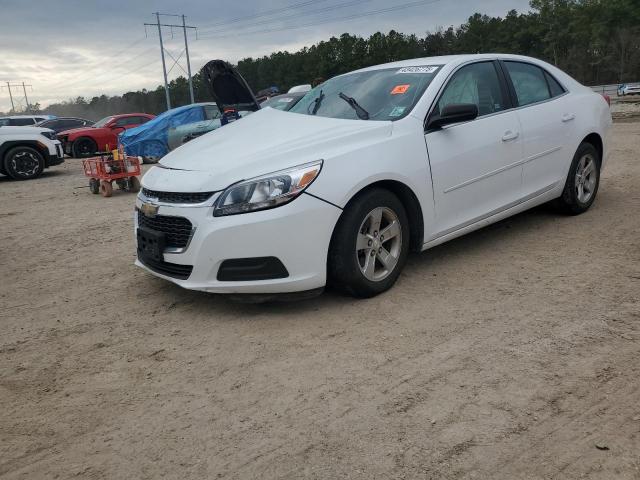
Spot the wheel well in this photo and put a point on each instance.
(29, 143)
(595, 140)
(411, 206)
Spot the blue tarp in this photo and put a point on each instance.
(150, 139)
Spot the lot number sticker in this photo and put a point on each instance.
(428, 69)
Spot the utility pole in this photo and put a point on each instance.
(186, 49)
(164, 65)
(13, 107)
(24, 89)
(184, 27)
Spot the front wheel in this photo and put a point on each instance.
(370, 244)
(84, 147)
(582, 183)
(23, 163)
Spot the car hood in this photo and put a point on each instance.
(75, 131)
(263, 142)
(227, 87)
(30, 130)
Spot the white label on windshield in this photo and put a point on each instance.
(429, 69)
(285, 100)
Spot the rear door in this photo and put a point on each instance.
(476, 166)
(548, 121)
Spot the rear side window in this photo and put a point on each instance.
(529, 83)
(554, 87)
(477, 83)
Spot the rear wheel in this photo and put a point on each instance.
(23, 163)
(582, 182)
(94, 185)
(370, 244)
(84, 147)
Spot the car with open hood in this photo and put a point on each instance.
(101, 136)
(229, 91)
(367, 167)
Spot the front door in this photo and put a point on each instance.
(476, 166)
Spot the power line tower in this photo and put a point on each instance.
(184, 28)
(24, 90)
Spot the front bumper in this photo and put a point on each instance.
(55, 155)
(298, 234)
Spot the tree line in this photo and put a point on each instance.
(595, 41)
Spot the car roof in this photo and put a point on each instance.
(449, 59)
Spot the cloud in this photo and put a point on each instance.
(99, 47)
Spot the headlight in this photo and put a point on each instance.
(51, 135)
(267, 191)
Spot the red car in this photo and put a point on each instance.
(101, 136)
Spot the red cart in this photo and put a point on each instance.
(105, 169)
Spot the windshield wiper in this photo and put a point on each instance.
(317, 102)
(361, 112)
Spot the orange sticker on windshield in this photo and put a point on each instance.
(400, 89)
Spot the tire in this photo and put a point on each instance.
(84, 147)
(349, 269)
(106, 189)
(94, 186)
(23, 163)
(134, 184)
(580, 188)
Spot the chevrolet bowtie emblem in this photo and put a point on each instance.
(149, 209)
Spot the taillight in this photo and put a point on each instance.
(607, 98)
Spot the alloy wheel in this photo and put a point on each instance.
(586, 178)
(25, 164)
(379, 244)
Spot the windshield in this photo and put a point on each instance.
(103, 122)
(281, 102)
(387, 94)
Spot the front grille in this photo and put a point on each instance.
(177, 197)
(177, 230)
(174, 270)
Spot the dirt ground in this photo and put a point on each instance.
(511, 353)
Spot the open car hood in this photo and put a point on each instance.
(228, 88)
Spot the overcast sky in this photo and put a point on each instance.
(66, 48)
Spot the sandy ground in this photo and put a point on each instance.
(511, 353)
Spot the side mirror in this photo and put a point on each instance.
(453, 113)
(117, 129)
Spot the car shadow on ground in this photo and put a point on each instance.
(418, 264)
(46, 174)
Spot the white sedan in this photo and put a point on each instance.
(366, 167)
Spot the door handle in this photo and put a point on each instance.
(509, 135)
(567, 117)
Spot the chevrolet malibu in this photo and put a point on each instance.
(365, 168)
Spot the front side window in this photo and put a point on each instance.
(478, 84)
(387, 94)
(529, 83)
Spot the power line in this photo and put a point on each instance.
(102, 61)
(261, 14)
(295, 15)
(24, 90)
(328, 20)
